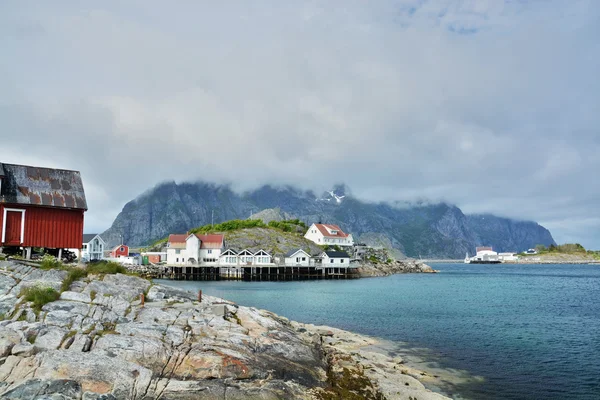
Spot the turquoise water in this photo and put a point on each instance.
(532, 332)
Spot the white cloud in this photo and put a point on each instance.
(490, 105)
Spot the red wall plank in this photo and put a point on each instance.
(50, 227)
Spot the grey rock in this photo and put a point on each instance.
(8, 339)
(49, 338)
(160, 292)
(55, 389)
(23, 350)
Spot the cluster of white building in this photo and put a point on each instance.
(210, 250)
(486, 255)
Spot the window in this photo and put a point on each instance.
(84, 247)
(178, 251)
(177, 259)
(303, 258)
(297, 259)
(122, 249)
(209, 251)
(341, 261)
(331, 261)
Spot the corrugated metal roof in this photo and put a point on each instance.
(59, 188)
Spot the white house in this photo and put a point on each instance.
(194, 249)
(326, 234)
(177, 249)
(338, 259)
(229, 257)
(92, 248)
(261, 257)
(211, 247)
(246, 257)
(298, 258)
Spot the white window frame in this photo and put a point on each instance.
(6, 210)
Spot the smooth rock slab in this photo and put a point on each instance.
(49, 338)
(45, 389)
(23, 350)
(8, 339)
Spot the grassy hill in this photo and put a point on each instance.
(563, 253)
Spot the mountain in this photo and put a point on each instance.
(421, 230)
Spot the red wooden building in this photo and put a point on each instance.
(41, 207)
(120, 250)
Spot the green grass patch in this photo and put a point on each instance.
(73, 275)
(50, 262)
(106, 267)
(39, 296)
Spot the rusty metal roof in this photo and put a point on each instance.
(59, 188)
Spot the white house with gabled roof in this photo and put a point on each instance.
(328, 234)
(92, 247)
(299, 258)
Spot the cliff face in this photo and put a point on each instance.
(429, 231)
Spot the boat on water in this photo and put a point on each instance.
(484, 255)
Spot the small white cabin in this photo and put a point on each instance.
(298, 258)
(338, 259)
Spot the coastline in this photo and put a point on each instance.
(100, 339)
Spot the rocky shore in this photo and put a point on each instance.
(394, 267)
(98, 340)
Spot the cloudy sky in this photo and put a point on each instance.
(491, 105)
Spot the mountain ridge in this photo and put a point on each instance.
(429, 230)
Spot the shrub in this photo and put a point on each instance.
(50, 262)
(73, 275)
(39, 296)
(106, 267)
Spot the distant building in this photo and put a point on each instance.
(327, 234)
(339, 259)
(298, 258)
(484, 255)
(92, 248)
(154, 257)
(41, 207)
(121, 250)
(194, 249)
(211, 247)
(176, 249)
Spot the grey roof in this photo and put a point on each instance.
(87, 237)
(292, 252)
(337, 254)
(42, 186)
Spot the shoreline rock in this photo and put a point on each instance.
(394, 267)
(99, 341)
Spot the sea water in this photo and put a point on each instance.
(529, 331)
